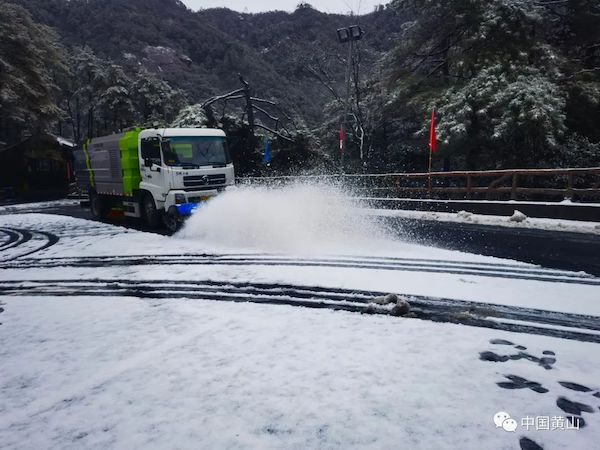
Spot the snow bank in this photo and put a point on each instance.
(516, 220)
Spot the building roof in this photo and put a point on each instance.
(63, 141)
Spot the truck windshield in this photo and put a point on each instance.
(195, 151)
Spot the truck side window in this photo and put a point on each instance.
(151, 149)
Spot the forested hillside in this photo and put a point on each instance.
(202, 53)
(515, 83)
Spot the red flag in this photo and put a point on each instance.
(341, 138)
(432, 135)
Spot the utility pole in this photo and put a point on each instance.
(347, 35)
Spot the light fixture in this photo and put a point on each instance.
(343, 35)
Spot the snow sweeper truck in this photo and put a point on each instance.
(158, 175)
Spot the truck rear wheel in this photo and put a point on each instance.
(149, 211)
(98, 206)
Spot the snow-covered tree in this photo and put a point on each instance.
(519, 111)
(155, 99)
(501, 87)
(30, 59)
(192, 116)
(87, 82)
(115, 101)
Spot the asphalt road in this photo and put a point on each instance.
(552, 249)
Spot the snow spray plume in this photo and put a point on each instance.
(301, 218)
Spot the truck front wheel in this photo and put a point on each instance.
(172, 220)
(151, 215)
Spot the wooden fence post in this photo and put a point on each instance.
(429, 185)
(469, 185)
(570, 186)
(513, 191)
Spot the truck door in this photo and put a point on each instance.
(151, 169)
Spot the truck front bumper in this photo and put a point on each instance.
(183, 199)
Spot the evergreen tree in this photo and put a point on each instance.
(115, 101)
(494, 70)
(88, 77)
(192, 116)
(154, 99)
(30, 60)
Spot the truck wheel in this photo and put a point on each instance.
(172, 221)
(151, 216)
(97, 206)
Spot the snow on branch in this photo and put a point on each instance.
(276, 133)
(227, 96)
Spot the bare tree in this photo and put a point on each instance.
(251, 106)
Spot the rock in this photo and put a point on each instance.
(401, 308)
(518, 217)
(386, 299)
(464, 215)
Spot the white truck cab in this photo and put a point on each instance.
(182, 167)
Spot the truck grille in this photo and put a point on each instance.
(203, 180)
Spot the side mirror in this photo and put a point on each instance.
(147, 162)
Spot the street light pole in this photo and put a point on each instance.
(346, 104)
(349, 35)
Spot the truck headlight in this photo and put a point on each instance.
(179, 199)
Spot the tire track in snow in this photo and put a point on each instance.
(19, 237)
(12, 237)
(516, 319)
(508, 271)
(16, 238)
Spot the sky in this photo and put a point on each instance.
(330, 6)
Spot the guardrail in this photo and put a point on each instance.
(577, 184)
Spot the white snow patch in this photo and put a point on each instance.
(122, 372)
(129, 373)
(36, 206)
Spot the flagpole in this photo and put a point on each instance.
(430, 159)
(432, 147)
(429, 172)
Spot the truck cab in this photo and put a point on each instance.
(159, 174)
(181, 168)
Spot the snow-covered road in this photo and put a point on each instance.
(115, 338)
(121, 372)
